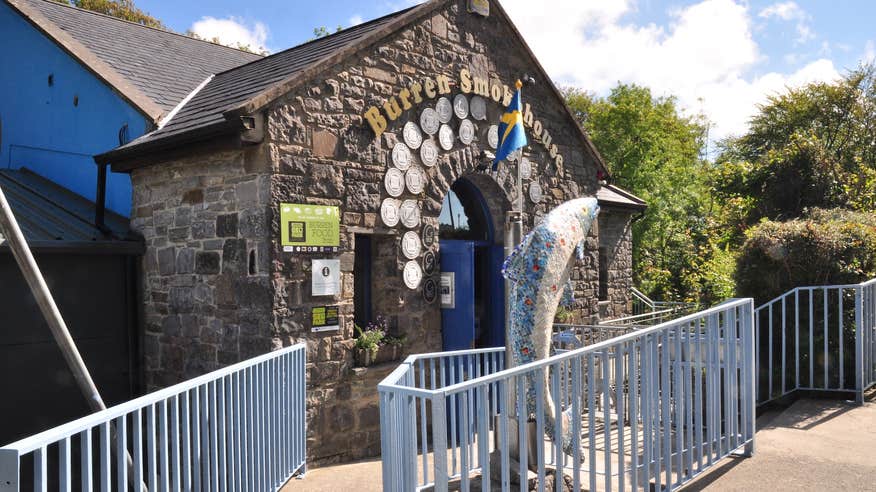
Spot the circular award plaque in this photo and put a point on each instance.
(478, 108)
(429, 121)
(394, 182)
(430, 290)
(444, 109)
(493, 136)
(428, 235)
(409, 214)
(412, 135)
(412, 274)
(415, 179)
(429, 153)
(466, 132)
(445, 137)
(525, 168)
(429, 262)
(410, 245)
(460, 106)
(389, 212)
(535, 192)
(401, 156)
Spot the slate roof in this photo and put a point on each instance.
(51, 216)
(163, 66)
(614, 196)
(233, 87)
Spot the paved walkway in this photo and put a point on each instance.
(813, 445)
(820, 445)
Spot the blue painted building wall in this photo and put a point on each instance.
(40, 126)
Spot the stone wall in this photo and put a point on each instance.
(206, 270)
(616, 237)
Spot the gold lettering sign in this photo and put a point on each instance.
(430, 88)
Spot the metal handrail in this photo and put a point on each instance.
(258, 404)
(801, 317)
(447, 403)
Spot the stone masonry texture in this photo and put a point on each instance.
(218, 287)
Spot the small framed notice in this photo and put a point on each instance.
(325, 277)
(324, 318)
(309, 228)
(448, 290)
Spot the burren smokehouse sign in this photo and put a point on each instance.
(431, 88)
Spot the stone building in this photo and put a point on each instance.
(385, 129)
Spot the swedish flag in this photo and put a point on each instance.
(511, 133)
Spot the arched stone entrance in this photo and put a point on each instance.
(472, 251)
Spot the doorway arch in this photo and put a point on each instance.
(471, 264)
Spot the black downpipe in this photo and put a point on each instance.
(100, 205)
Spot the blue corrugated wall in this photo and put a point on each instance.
(40, 126)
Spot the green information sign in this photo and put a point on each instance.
(310, 228)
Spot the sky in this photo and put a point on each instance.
(720, 58)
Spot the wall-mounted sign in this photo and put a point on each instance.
(309, 228)
(409, 213)
(444, 109)
(411, 245)
(448, 290)
(325, 277)
(466, 132)
(412, 274)
(440, 87)
(430, 290)
(478, 108)
(535, 192)
(394, 182)
(401, 156)
(480, 7)
(428, 235)
(445, 137)
(324, 318)
(429, 121)
(429, 263)
(415, 179)
(389, 212)
(429, 153)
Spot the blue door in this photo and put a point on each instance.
(458, 322)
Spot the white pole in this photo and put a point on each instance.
(9, 228)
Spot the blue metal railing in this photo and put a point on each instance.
(820, 338)
(651, 408)
(238, 428)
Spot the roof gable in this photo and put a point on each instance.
(249, 88)
(151, 68)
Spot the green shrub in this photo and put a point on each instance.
(824, 247)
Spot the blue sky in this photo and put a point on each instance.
(718, 57)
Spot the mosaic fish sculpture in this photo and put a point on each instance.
(539, 270)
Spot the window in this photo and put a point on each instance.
(463, 215)
(362, 280)
(603, 274)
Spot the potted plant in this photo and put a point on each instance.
(374, 346)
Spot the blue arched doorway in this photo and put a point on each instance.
(471, 264)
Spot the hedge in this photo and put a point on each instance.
(824, 247)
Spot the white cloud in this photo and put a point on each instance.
(869, 52)
(705, 55)
(790, 11)
(232, 31)
(356, 20)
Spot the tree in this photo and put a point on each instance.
(654, 151)
(808, 147)
(322, 31)
(122, 9)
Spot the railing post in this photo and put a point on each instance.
(859, 344)
(750, 380)
(439, 442)
(9, 469)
